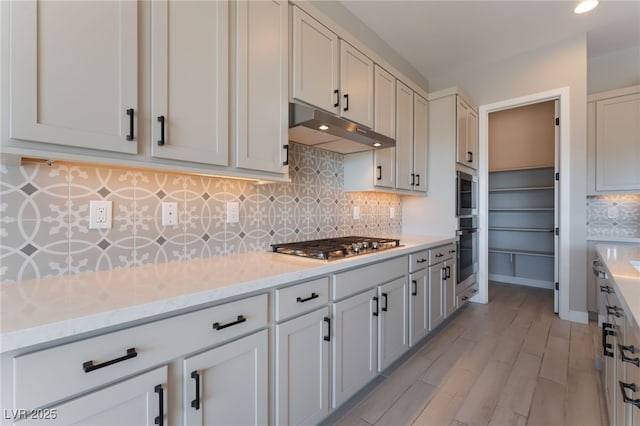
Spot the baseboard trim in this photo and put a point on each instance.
(509, 279)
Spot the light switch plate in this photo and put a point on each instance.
(356, 212)
(169, 214)
(612, 212)
(392, 212)
(100, 214)
(233, 212)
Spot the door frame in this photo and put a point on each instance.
(561, 94)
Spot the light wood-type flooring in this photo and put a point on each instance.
(511, 362)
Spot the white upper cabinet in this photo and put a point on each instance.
(189, 81)
(356, 85)
(467, 135)
(73, 73)
(617, 143)
(315, 63)
(404, 137)
(385, 123)
(420, 140)
(262, 95)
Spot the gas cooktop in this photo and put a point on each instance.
(336, 248)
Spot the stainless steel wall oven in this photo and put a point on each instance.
(467, 261)
(466, 194)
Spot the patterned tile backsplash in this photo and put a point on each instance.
(44, 214)
(625, 208)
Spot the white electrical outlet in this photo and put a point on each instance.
(169, 214)
(356, 212)
(392, 212)
(233, 212)
(612, 212)
(100, 214)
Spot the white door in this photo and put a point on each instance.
(315, 63)
(472, 138)
(462, 153)
(385, 102)
(302, 369)
(556, 213)
(420, 132)
(449, 288)
(262, 91)
(404, 137)
(393, 327)
(354, 344)
(189, 81)
(141, 400)
(436, 310)
(385, 163)
(418, 306)
(356, 84)
(228, 385)
(74, 74)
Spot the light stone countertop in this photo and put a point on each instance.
(617, 260)
(42, 311)
(609, 239)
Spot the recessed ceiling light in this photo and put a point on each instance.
(585, 6)
(323, 127)
(377, 144)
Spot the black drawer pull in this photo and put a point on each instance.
(439, 255)
(196, 402)
(327, 338)
(414, 292)
(421, 260)
(130, 114)
(386, 302)
(286, 161)
(452, 251)
(448, 272)
(614, 310)
(161, 121)
(469, 157)
(635, 361)
(623, 388)
(89, 366)
(218, 326)
(606, 289)
(606, 331)
(377, 311)
(159, 420)
(313, 296)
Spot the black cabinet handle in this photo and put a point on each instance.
(452, 251)
(196, 402)
(606, 331)
(414, 292)
(218, 326)
(417, 179)
(443, 274)
(439, 254)
(606, 289)
(327, 338)
(346, 102)
(625, 358)
(421, 260)
(469, 157)
(286, 160)
(337, 93)
(130, 114)
(413, 180)
(386, 302)
(623, 389)
(379, 177)
(161, 121)
(89, 366)
(448, 268)
(613, 310)
(313, 296)
(376, 312)
(159, 420)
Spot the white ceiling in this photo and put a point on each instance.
(436, 37)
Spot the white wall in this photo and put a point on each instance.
(561, 65)
(613, 70)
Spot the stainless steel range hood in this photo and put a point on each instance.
(310, 126)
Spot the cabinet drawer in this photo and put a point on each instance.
(463, 298)
(418, 260)
(100, 360)
(301, 298)
(357, 280)
(438, 254)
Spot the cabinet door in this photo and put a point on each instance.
(418, 306)
(315, 63)
(356, 84)
(462, 153)
(73, 68)
(449, 288)
(404, 137)
(385, 102)
(140, 400)
(228, 385)
(617, 143)
(436, 309)
(262, 94)
(189, 81)
(393, 327)
(354, 344)
(420, 130)
(302, 369)
(385, 163)
(472, 138)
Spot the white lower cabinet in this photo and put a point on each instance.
(141, 400)
(302, 369)
(354, 344)
(418, 306)
(436, 310)
(228, 385)
(393, 324)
